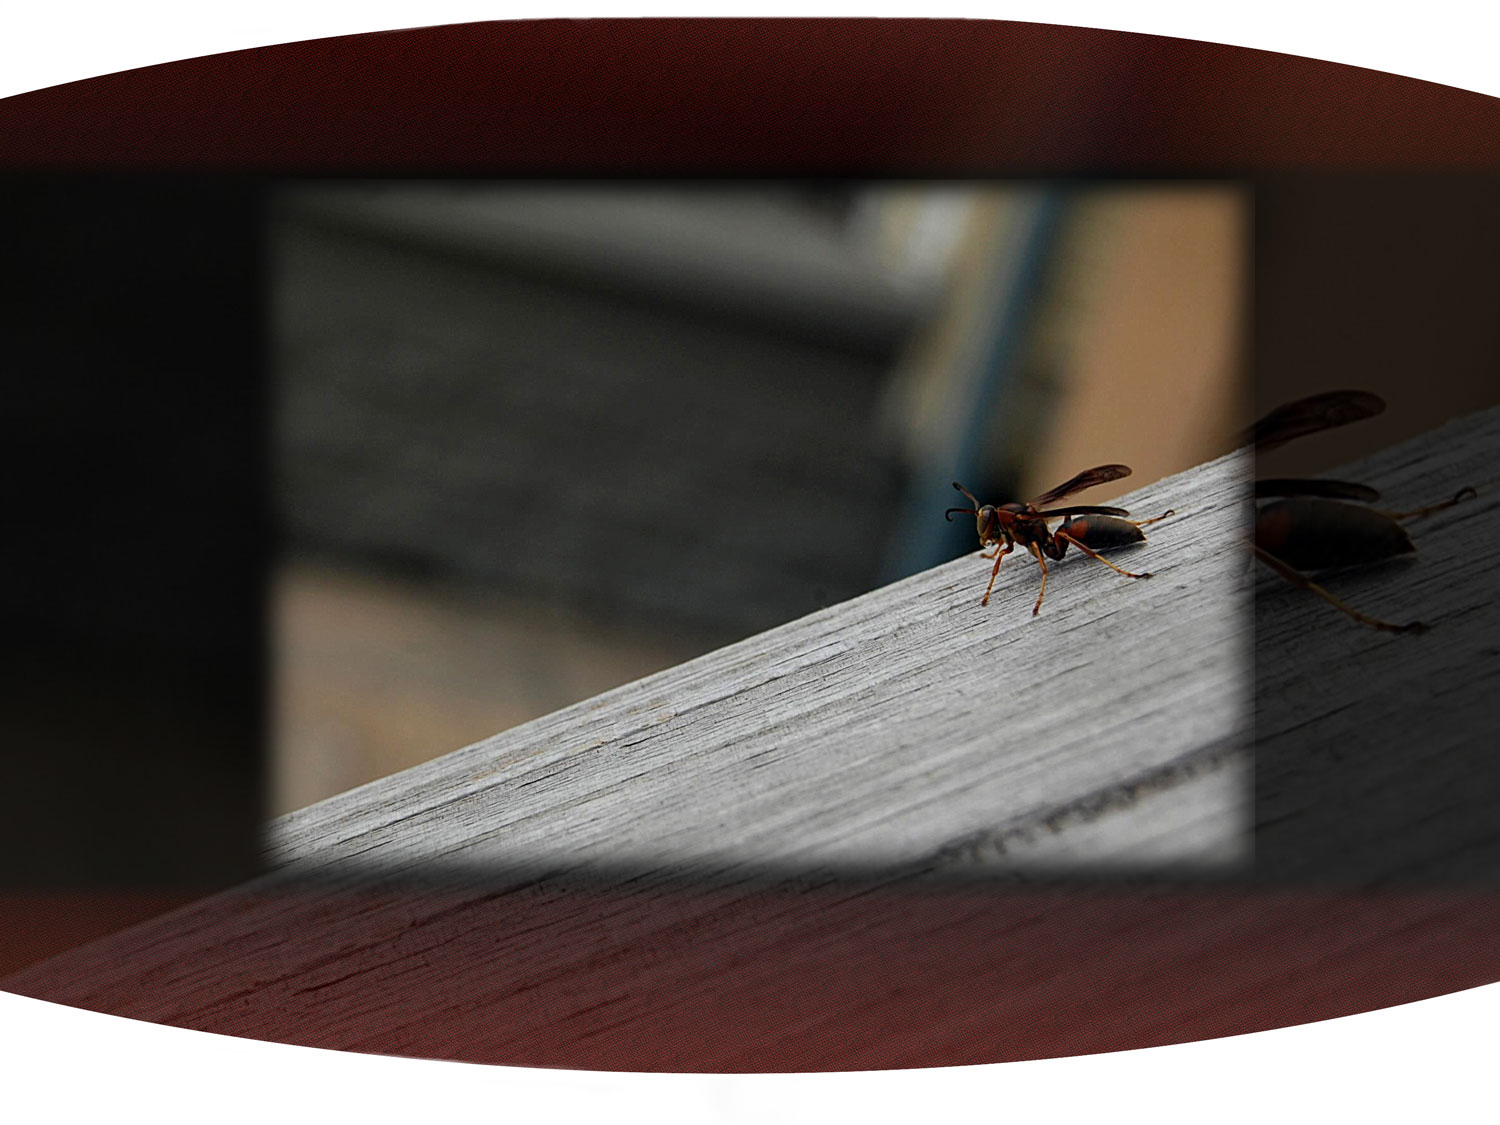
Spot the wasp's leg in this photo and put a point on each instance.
(1041, 562)
(1459, 497)
(999, 556)
(1095, 554)
(1154, 519)
(1303, 582)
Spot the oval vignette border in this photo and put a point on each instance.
(690, 980)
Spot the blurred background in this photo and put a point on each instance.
(533, 441)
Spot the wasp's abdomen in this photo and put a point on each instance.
(1102, 533)
(1312, 534)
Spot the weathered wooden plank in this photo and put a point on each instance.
(881, 732)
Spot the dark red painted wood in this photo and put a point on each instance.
(751, 96)
(773, 980)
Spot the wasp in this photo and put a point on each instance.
(1315, 525)
(1088, 527)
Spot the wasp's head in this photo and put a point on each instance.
(989, 521)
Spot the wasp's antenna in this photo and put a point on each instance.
(974, 511)
(969, 495)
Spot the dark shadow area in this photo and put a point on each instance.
(1375, 750)
(133, 483)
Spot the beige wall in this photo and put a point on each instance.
(1149, 371)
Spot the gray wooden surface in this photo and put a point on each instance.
(910, 726)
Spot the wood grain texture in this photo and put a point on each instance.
(884, 732)
(748, 968)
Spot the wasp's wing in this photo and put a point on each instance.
(1311, 415)
(1335, 489)
(1083, 510)
(1086, 479)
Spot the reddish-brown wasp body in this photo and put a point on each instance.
(1312, 525)
(1090, 528)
